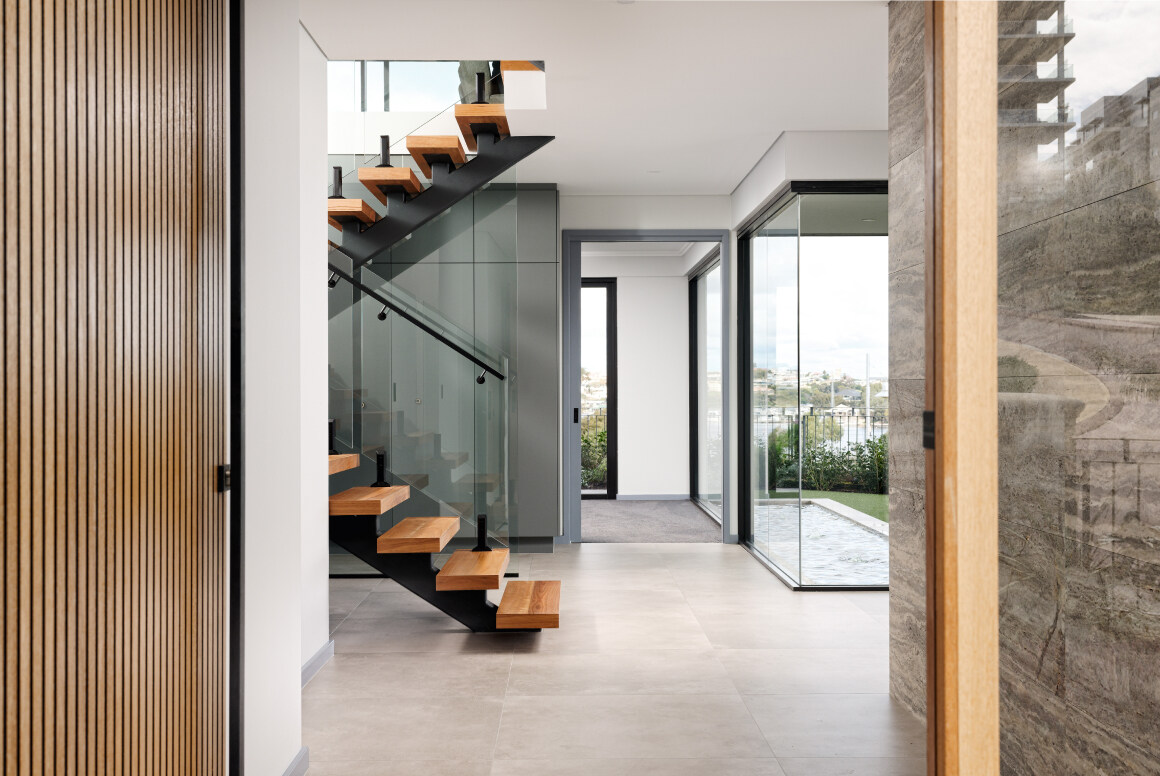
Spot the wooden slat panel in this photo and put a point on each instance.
(962, 384)
(112, 327)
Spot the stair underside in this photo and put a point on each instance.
(368, 500)
(467, 570)
(529, 604)
(342, 463)
(419, 534)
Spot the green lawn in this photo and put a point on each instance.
(874, 504)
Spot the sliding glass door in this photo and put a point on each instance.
(708, 430)
(818, 388)
(598, 388)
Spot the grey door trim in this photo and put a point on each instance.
(571, 240)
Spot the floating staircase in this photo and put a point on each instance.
(424, 479)
(406, 551)
(444, 161)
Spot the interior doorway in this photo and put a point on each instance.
(631, 404)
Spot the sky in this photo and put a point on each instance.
(1116, 45)
(844, 305)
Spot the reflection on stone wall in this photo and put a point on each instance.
(1079, 306)
(1079, 413)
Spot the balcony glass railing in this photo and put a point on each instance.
(1041, 71)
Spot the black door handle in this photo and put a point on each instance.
(575, 414)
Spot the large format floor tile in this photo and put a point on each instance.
(834, 725)
(596, 726)
(671, 660)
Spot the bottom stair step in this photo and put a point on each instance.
(529, 604)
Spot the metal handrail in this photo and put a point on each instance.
(412, 319)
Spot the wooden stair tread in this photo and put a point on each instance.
(456, 458)
(467, 570)
(422, 146)
(489, 481)
(419, 534)
(379, 180)
(342, 463)
(529, 604)
(338, 210)
(416, 480)
(466, 115)
(365, 500)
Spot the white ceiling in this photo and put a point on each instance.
(696, 90)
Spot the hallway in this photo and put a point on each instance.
(674, 659)
(611, 520)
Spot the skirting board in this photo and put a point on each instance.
(654, 497)
(300, 764)
(315, 664)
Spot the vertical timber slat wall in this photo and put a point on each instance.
(113, 593)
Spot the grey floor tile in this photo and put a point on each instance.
(854, 766)
(804, 671)
(402, 768)
(875, 604)
(370, 729)
(638, 767)
(837, 725)
(617, 726)
(824, 630)
(393, 602)
(435, 633)
(672, 672)
(613, 633)
(411, 675)
(343, 602)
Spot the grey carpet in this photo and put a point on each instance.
(606, 520)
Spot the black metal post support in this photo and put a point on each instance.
(337, 186)
(481, 534)
(331, 433)
(480, 89)
(357, 535)
(381, 470)
(384, 151)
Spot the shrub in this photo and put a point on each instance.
(593, 458)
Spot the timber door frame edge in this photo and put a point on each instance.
(961, 209)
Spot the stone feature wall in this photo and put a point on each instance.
(1079, 420)
(907, 358)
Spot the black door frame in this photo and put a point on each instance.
(609, 286)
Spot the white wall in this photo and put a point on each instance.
(643, 212)
(312, 326)
(809, 156)
(652, 349)
(274, 396)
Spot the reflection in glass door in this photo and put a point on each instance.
(707, 428)
(598, 388)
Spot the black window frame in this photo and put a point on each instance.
(612, 480)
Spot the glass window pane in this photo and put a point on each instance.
(773, 386)
(710, 431)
